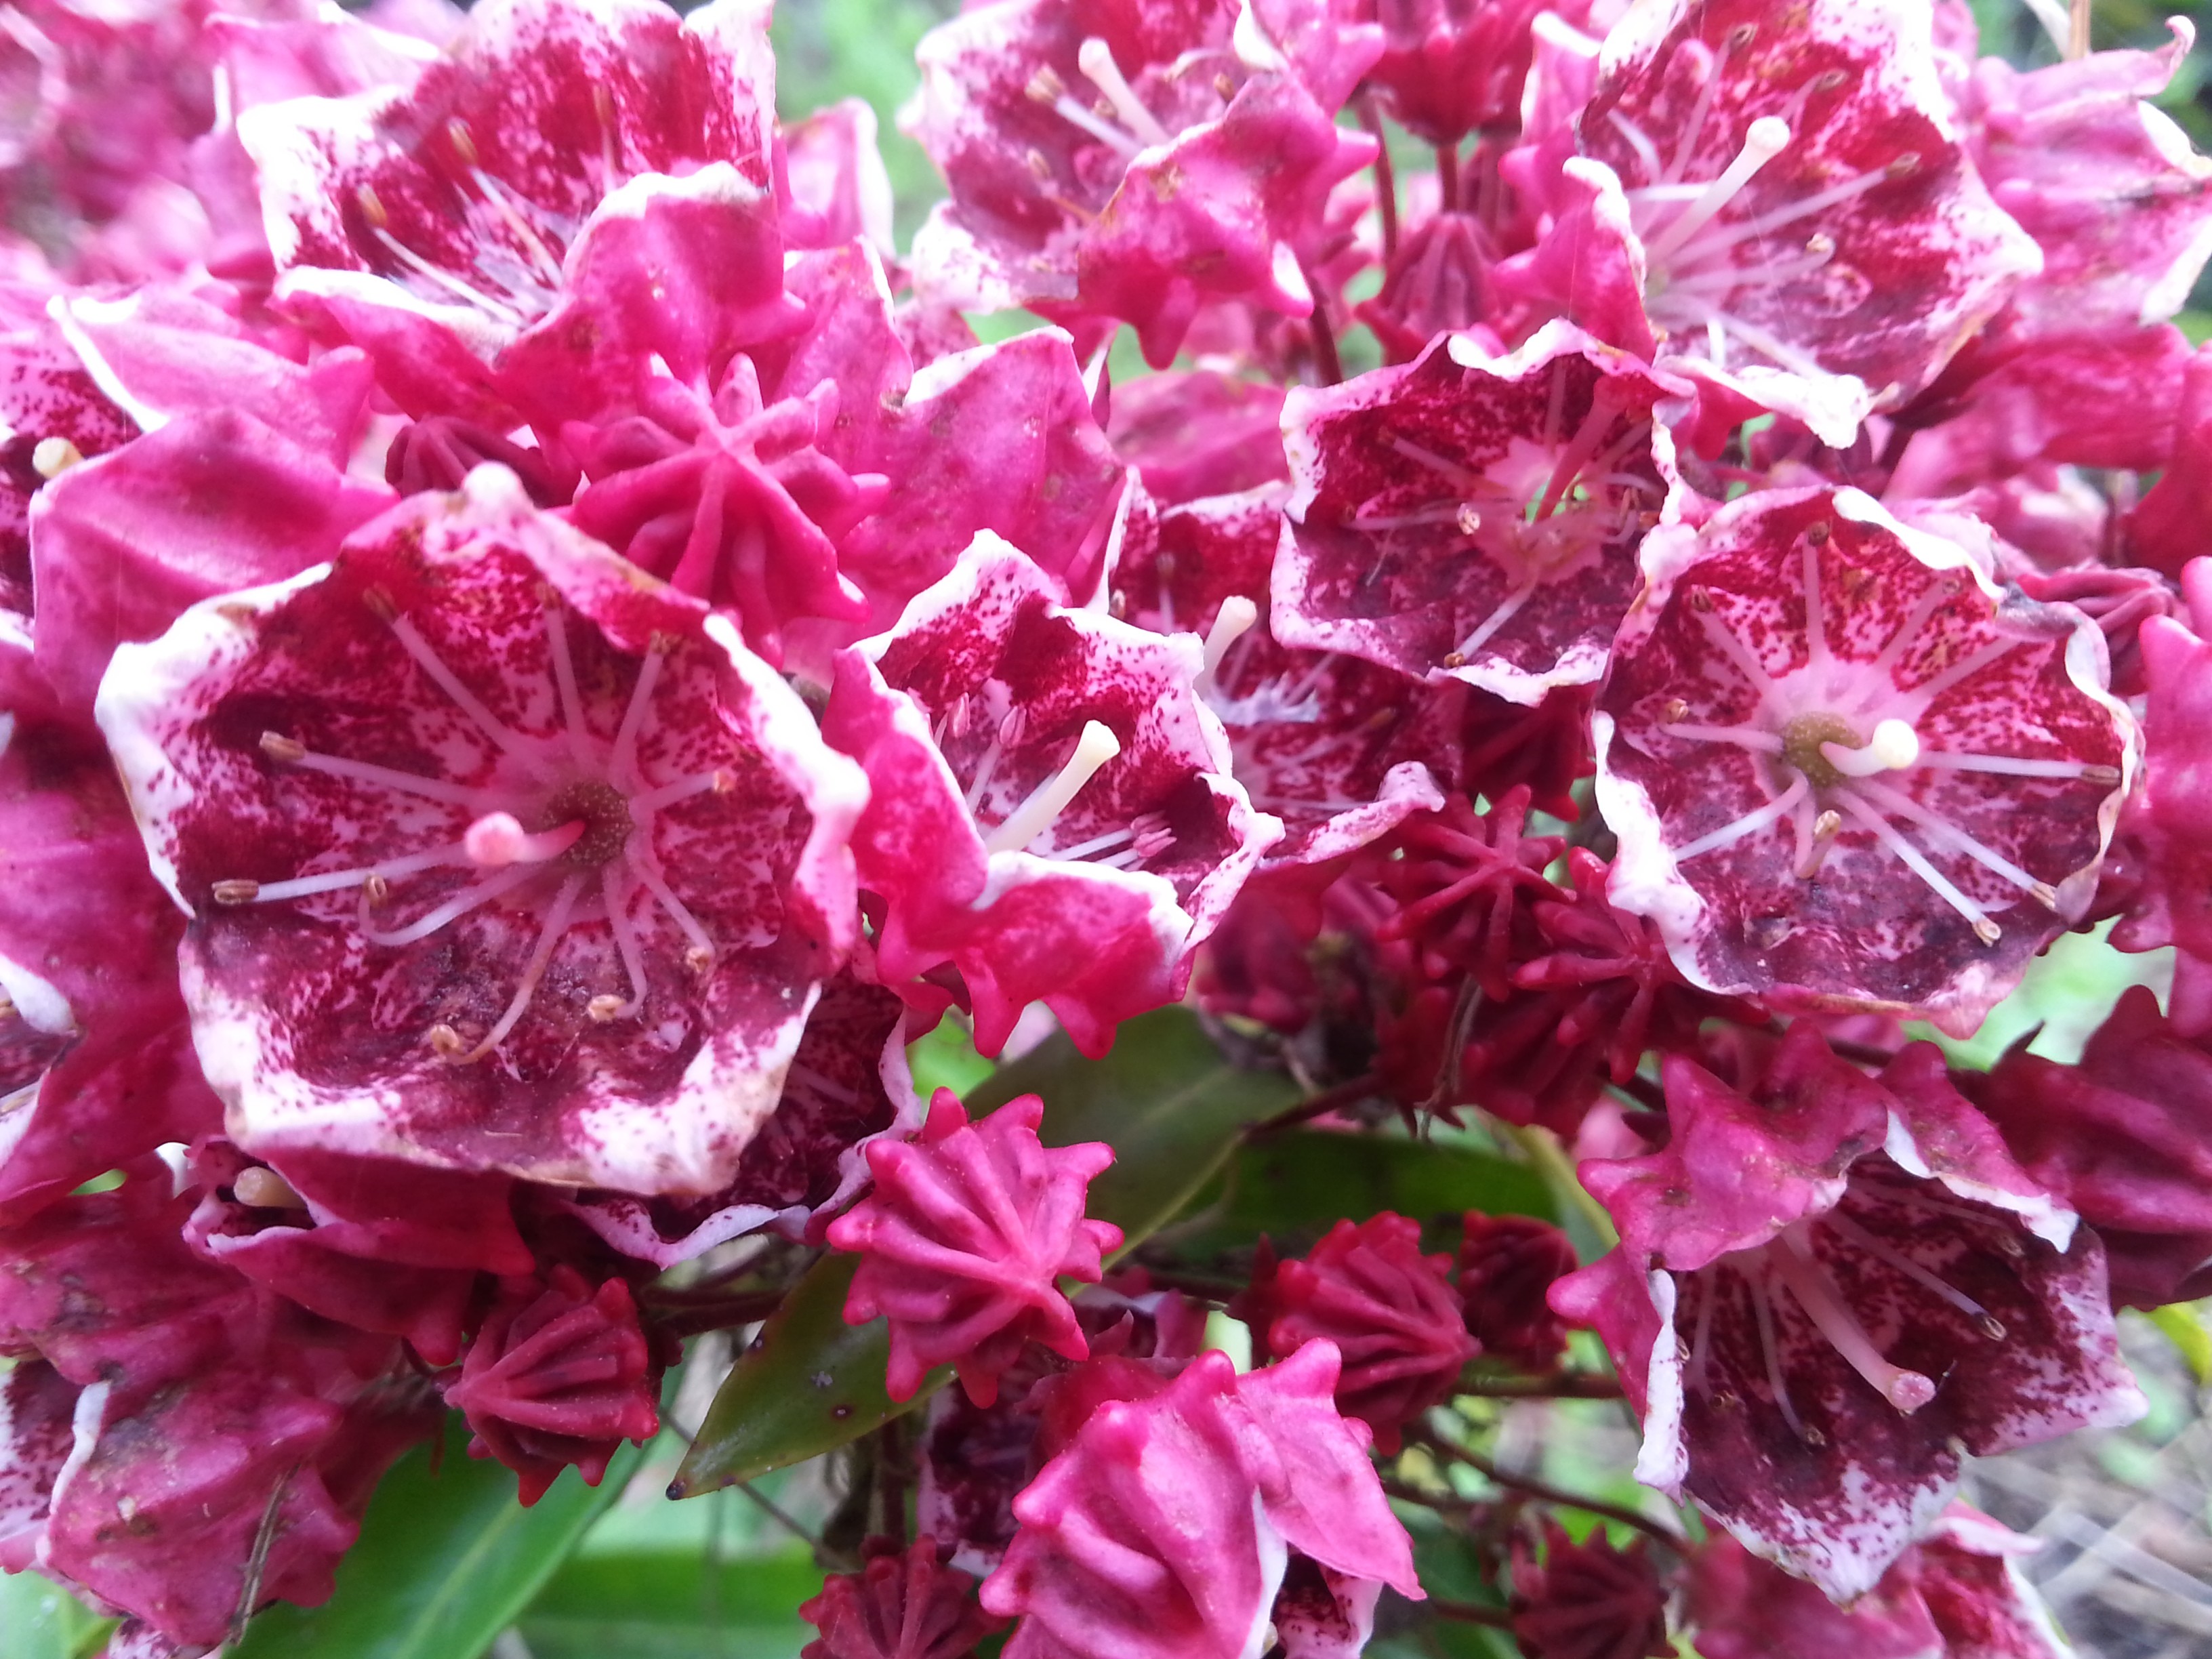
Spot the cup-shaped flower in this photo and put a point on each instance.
(964, 1238)
(1844, 768)
(500, 855)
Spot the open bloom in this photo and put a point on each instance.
(500, 855)
(1826, 1287)
(1844, 768)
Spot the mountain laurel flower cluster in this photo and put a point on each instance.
(614, 786)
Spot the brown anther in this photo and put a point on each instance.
(375, 887)
(1904, 166)
(1037, 164)
(1767, 933)
(1828, 81)
(1992, 1326)
(2101, 775)
(1225, 86)
(1987, 931)
(457, 132)
(380, 604)
(604, 1007)
(1675, 712)
(1118, 606)
(603, 106)
(1046, 87)
(1811, 1436)
(1819, 244)
(1468, 518)
(725, 782)
(1818, 532)
(2044, 894)
(1454, 659)
(698, 958)
(278, 747)
(662, 644)
(235, 892)
(1104, 109)
(549, 596)
(1700, 600)
(1739, 37)
(371, 209)
(1381, 718)
(447, 1043)
(1826, 827)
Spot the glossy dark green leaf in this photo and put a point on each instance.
(672, 1604)
(1294, 1187)
(1166, 1100)
(809, 1385)
(446, 1561)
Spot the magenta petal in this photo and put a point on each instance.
(439, 989)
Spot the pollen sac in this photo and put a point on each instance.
(1846, 769)
(501, 857)
(1475, 519)
(963, 1239)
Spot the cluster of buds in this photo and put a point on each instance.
(538, 651)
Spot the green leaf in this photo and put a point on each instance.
(1172, 1108)
(1294, 1187)
(445, 1562)
(672, 1605)
(40, 1620)
(2184, 1327)
(1166, 1101)
(809, 1385)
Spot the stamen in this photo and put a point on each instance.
(1908, 631)
(548, 268)
(1765, 138)
(1097, 746)
(1640, 142)
(460, 905)
(375, 878)
(1985, 930)
(498, 839)
(454, 285)
(1750, 822)
(564, 679)
(1745, 737)
(1893, 747)
(2014, 767)
(288, 751)
(604, 1008)
(1730, 647)
(1816, 629)
(1770, 1351)
(258, 1188)
(411, 641)
(1096, 58)
(699, 955)
(1806, 1279)
(720, 781)
(1236, 617)
(556, 923)
(1460, 476)
(1897, 800)
(1928, 690)
(1584, 444)
(1496, 619)
(624, 758)
(1825, 829)
(1046, 87)
(1989, 1325)
(1097, 844)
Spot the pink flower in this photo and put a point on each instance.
(1388, 1309)
(1844, 768)
(1785, 207)
(1162, 1529)
(501, 857)
(1136, 159)
(1955, 1594)
(1826, 1285)
(1053, 810)
(1450, 67)
(1475, 519)
(964, 1238)
(900, 1605)
(559, 1374)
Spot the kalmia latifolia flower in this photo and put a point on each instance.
(963, 1239)
(499, 855)
(1389, 1311)
(1827, 1285)
(1846, 769)
(1163, 1529)
(1053, 812)
(559, 1374)
(1473, 517)
(901, 1604)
